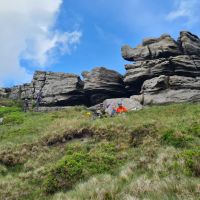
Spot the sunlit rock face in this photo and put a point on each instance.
(164, 70)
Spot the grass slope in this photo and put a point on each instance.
(149, 154)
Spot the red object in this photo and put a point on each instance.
(121, 109)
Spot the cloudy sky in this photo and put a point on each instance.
(76, 35)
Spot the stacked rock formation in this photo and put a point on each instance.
(164, 70)
(101, 84)
(62, 89)
(58, 89)
(4, 92)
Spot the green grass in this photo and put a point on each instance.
(153, 153)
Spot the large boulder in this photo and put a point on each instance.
(166, 57)
(186, 65)
(172, 96)
(152, 48)
(27, 91)
(60, 89)
(102, 83)
(4, 92)
(140, 71)
(15, 92)
(190, 43)
(129, 103)
(171, 89)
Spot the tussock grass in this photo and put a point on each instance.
(147, 154)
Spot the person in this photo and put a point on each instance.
(111, 110)
(25, 105)
(121, 108)
(38, 99)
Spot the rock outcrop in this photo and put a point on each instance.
(63, 89)
(152, 48)
(164, 70)
(4, 92)
(58, 89)
(101, 84)
(171, 89)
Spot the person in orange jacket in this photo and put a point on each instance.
(121, 108)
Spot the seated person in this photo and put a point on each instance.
(121, 108)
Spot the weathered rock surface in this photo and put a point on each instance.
(4, 92)
(190, 43)
(62, 89)
(172, 96)
(15, 92)
(58, 89)
(152, 48)
(163, 71)
(101, 84)
(169, 72)
(169, 89)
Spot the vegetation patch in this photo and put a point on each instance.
(79, 164)
(192, 161)
(176, 139)
(140, 133)
(10, 159)
(67, 136)
(81, 158)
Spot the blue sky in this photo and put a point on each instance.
(77, 35)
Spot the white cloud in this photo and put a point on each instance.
(188, 9)
(27, 32)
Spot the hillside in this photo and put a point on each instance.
(153, 153)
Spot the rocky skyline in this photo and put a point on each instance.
(162, 71)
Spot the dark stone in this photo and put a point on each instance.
(190, 43)
(102, 83)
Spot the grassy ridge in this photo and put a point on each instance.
(149, 154)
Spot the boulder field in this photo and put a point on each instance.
(161, 70)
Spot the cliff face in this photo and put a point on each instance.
(163, 71)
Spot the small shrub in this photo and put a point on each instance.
(194, 129)
(176, 139)
(192, 161)
(3, 170)
(80, 164)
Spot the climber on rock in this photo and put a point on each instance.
(38, 99)
(25, 105)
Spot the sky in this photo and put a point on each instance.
(76, 35)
